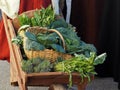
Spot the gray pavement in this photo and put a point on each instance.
(5, 78)
(97, 84)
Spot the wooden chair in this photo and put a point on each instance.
(54, 80)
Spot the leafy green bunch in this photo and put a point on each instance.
(42, 18)
(81, 64)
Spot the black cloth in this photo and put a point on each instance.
(109, 40)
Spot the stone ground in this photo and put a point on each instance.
(97, 84)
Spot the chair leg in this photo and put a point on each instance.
(56, 87)
(81, 86)
(25, 87)
(13, 76)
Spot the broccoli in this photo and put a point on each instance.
(36, 61)
(44, 66)
(36, 65)
(27, 66)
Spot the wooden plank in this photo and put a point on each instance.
(44, 74)
(7, 30)
(13, 71)
(17, 59)
(13, 75)
(51, 74)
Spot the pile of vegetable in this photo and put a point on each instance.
(81, 64)
(42, 18)
(36, 65)
(84, 55)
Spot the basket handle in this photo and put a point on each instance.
(59, 34)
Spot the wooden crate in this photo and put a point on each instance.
(22, 79)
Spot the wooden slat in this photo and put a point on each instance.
(13, 69)
(7, 30)
(13, 75)
(51, 74)
(18, 58)
(45, 74)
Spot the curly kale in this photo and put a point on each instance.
(27, 66)
(31, 42)
(44, 66)
(74, 44)
(58, 23)
(36, 65)
(36, 61)
(33, 45)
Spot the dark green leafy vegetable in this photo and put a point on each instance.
(31, 42)
(51, 41)
(31, 36)
(73, 43)
(58, 23)
(36, 61)
(36, 65)
(33, 45)
(48, 38)
(27, 66)
(57, 47)
(44, 66)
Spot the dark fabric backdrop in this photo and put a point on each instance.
(83, 18)
(109, 39)
(98, 22)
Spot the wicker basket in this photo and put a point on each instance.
(48, 54)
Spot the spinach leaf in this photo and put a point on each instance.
(24, 20)
(42, 17)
